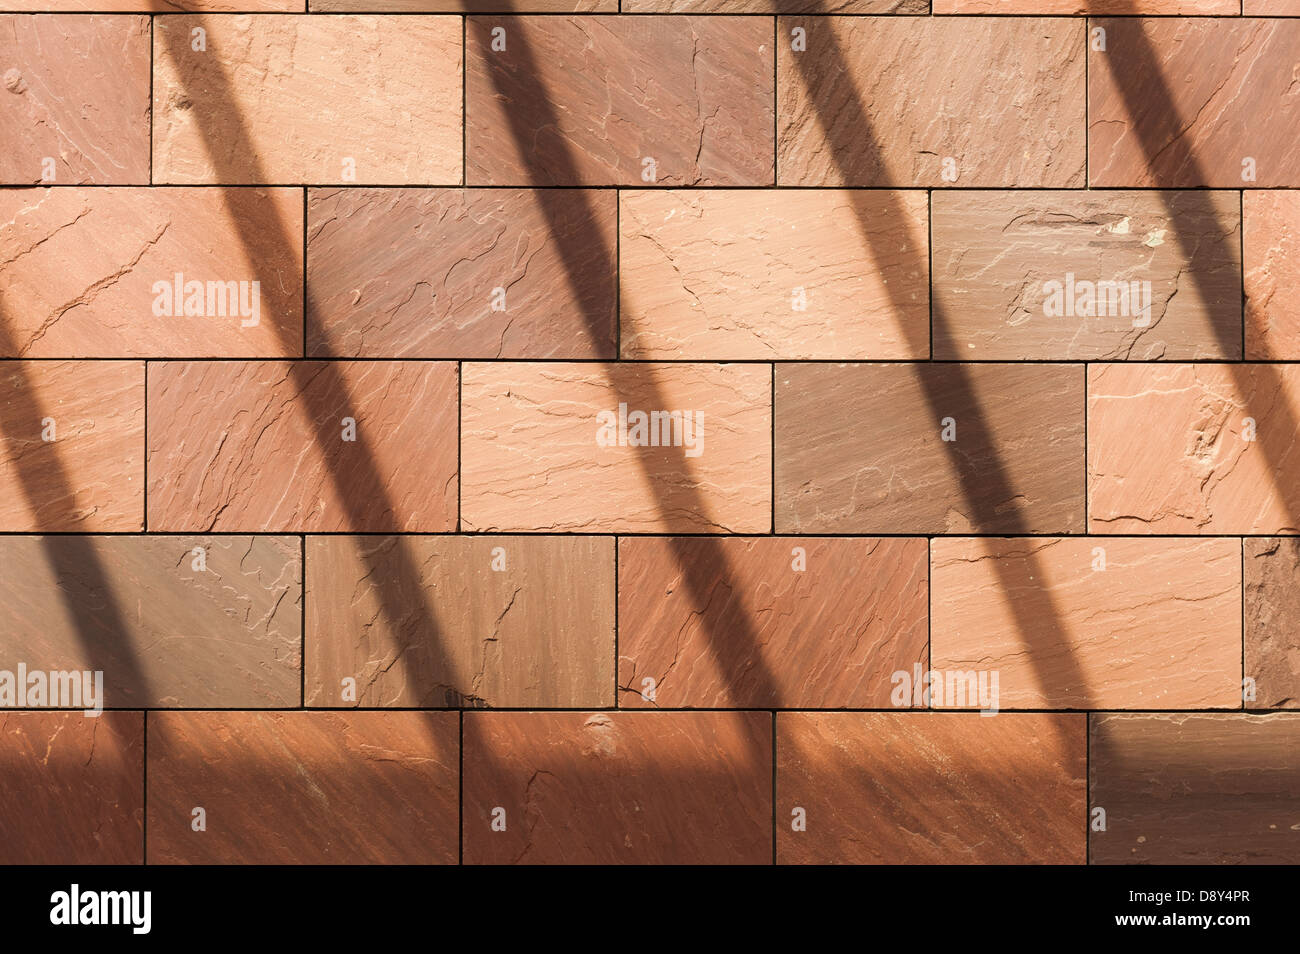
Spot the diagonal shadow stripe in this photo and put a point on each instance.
(401, 576)
(990, 494)
(83, 583)
(359, 485)
(738, 650)
(1135, 68)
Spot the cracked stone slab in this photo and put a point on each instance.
(587, 100)
(1191, 788)
(74, 788)
(996, 255)
(725, 274)
(298, 98)
(860, 448)
(76, 99)
(262, 446)
(1272, 618)
(80, 266)
(886, 101)
(322, 788)
(1272, 256)
(420, 273)
(169, 621)
(930, 788)
(72, 457)
(618, 787)
(531, 457)
(461, 621)
(1181, 103)
(1084, 623)
(792, 622)
(1170, 448)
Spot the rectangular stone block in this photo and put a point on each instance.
(861, 448)
(569, 101)
(931, 102)
(280, 99)
(794, 622)
(574, 447)
(302, 446)
(930, 788)
(461, 621)
(1090, 624)
(618, 788)
(754, 275)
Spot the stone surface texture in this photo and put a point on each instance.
(72, 457)
(793, 622)
(567, 101)
(73, 788)
(79, 269)
(203, 622)
(645, 404)
(1184, 102)
(250, 108)
(1191, 788)
(860, 448)
(1001, 97)
(365, 787)
(937, 788)
(996, 255)
(264, 445)
(1272, 620)
(418, 273)
(618, 787)
(461, 621)
(530, 457)
(1272, 261)
(1143, 624)
(1192, 465)
(76, 99)
(711, 275)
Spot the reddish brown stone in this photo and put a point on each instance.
(461, 621)
(1187, 788)
(169, 621)
(1272, 260)
(757, 274)
(277, 99)
(567, 101)
(76, 99)
(1272, 620)
(1088, 623)
(72, 450)
(930, 788)
(860, 448)
(532, 455)
(792, 622)
(1093, 7)
(262, 446)
(1203, 448)
(1183, 102)
(73, 788)
(81, 270)
(416, 273)
(303, 787)
(1015, 275)
(885, 101)
(618, 788)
